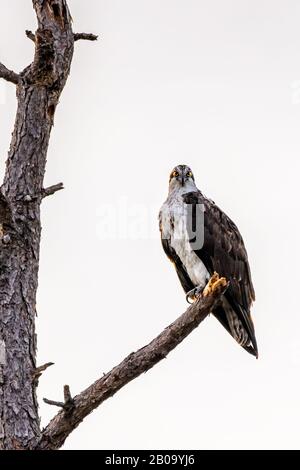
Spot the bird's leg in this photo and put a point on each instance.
(213, 284)
(193, 294)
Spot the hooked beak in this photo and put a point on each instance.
(182, 180)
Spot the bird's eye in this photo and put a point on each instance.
(189, 174)
(175, 174)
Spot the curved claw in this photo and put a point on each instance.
(193, 294)
(188, 295)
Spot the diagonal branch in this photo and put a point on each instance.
(55, 434)
(9, 75)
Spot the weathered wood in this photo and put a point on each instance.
(30, 35)
(9, 75)
(38, 90)
(55, 434)
(52, 189)
(85, 37)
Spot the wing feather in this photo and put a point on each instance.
(224, 251)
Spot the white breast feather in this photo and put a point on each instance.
(175, 211)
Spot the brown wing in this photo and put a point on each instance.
(224, 251)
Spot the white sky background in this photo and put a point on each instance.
(213, 84)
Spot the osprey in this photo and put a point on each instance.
(200, 239)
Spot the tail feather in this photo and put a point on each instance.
(241, 331)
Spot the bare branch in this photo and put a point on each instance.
(52, 189)
(55, 434)
(85, 37)
(30, 35)
(39, 370)
(9, 75)
(54, 403)
(68, 403)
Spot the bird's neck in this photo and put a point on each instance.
(178, 191)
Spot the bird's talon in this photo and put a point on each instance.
(188, 297)
(193, 294)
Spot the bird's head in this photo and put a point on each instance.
(181, 177)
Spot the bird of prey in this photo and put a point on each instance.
(200, 239)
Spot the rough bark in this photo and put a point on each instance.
(76, 409)
(38, 89)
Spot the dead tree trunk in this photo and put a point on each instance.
(39, 87)
(38, 90)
